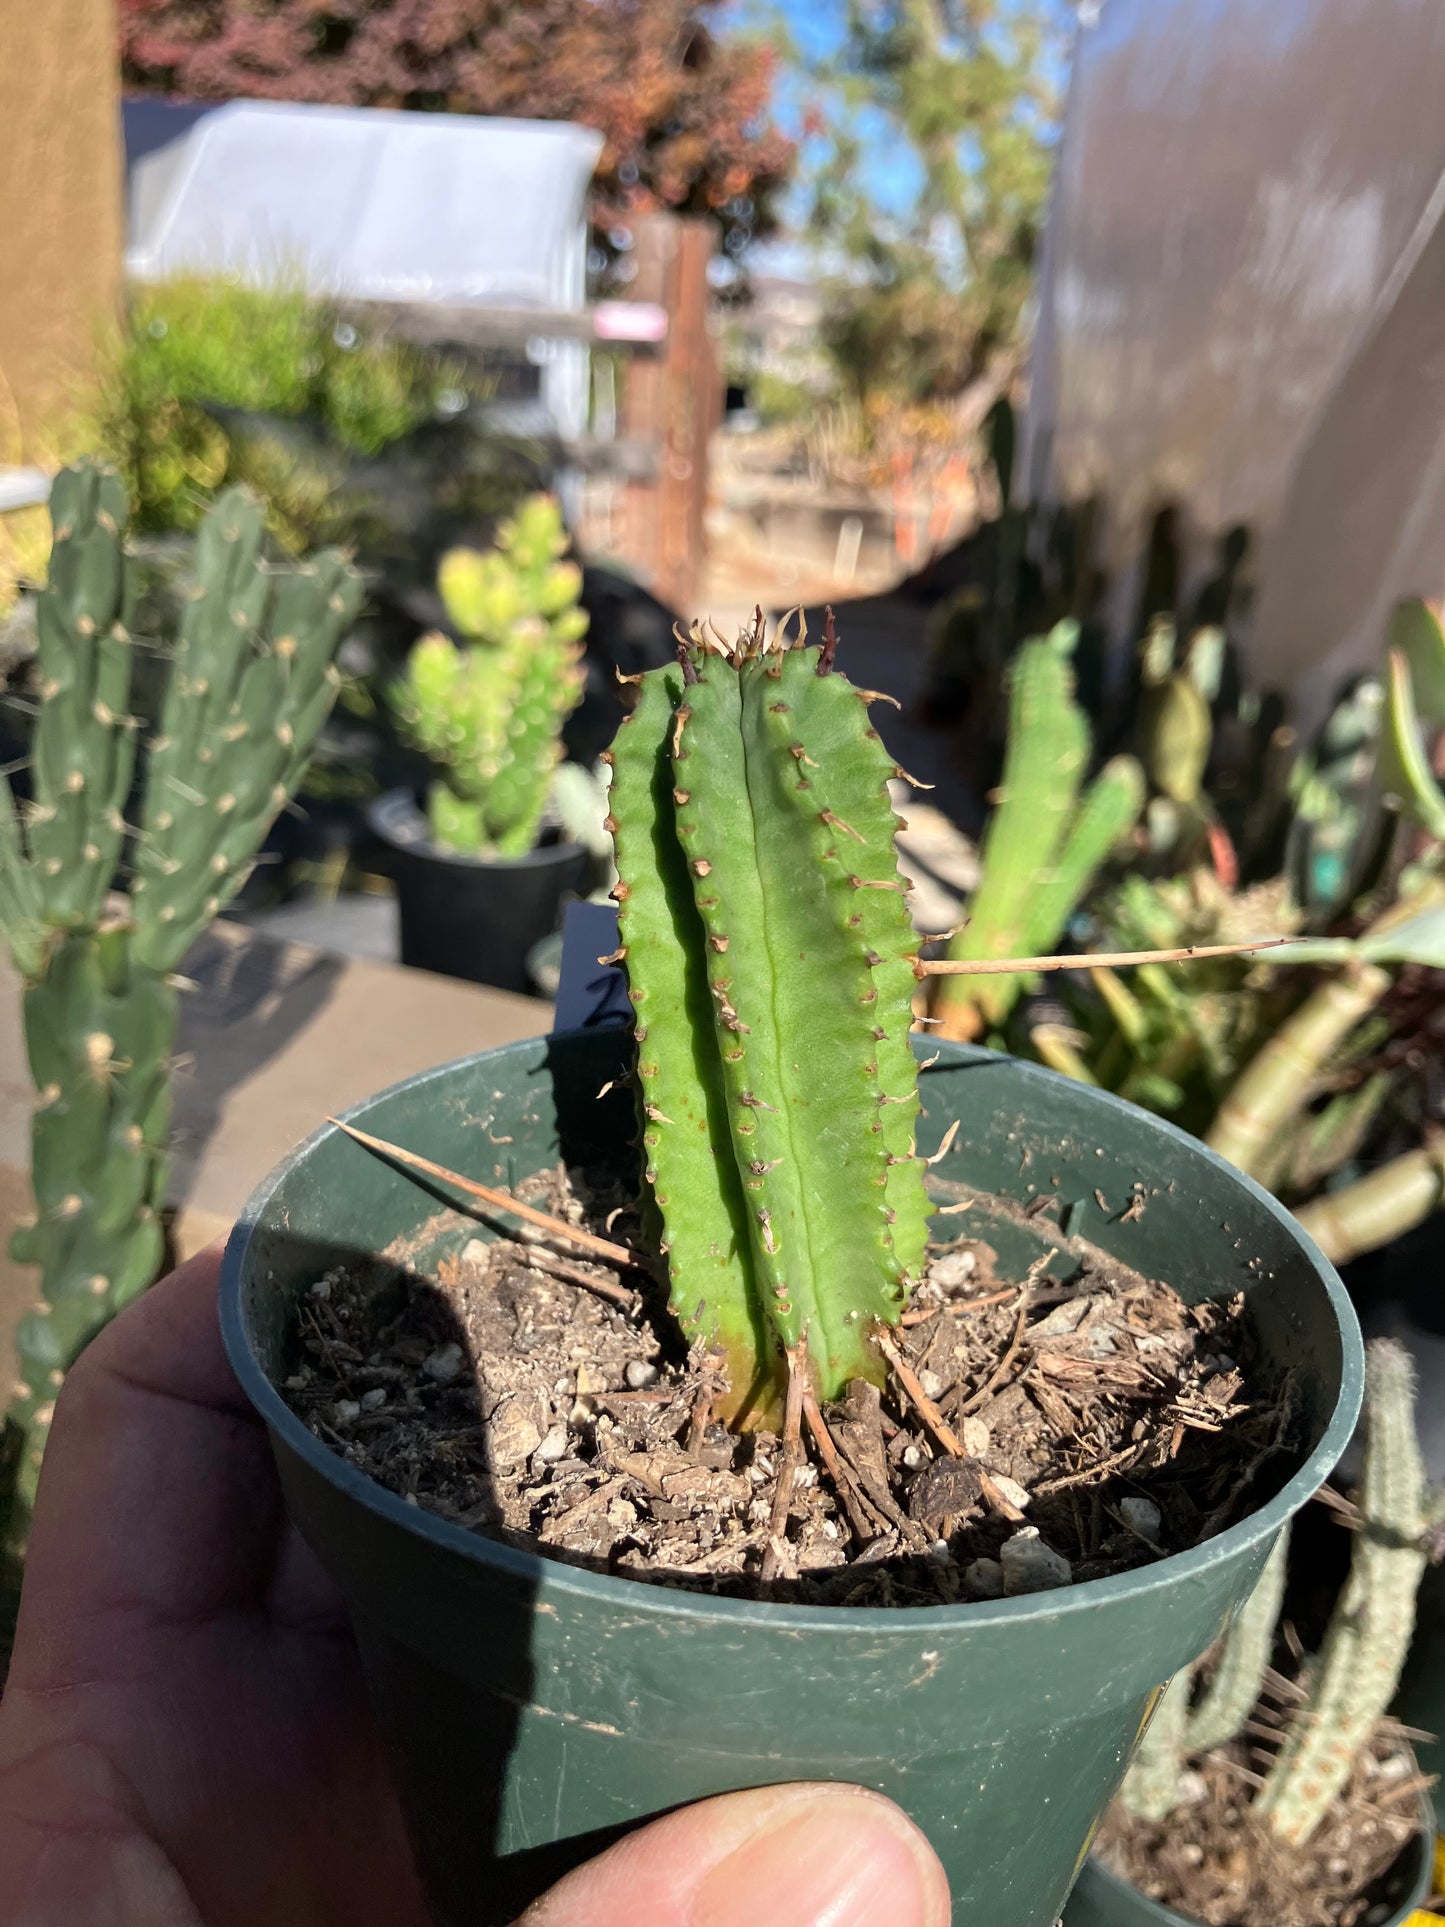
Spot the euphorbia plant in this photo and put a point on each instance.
(489, 713)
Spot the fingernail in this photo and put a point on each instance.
(834, 1857)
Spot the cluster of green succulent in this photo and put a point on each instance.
(1352, 1682)
(1273, 1060)
(488, 711)
(194, 351)
(250, 684)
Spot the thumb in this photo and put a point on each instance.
(786, 1856)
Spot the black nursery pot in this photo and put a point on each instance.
(535, 1709)
(1103, 1899)
(472, 917)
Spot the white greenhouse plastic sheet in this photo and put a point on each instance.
(372, 205)
(1242, 310)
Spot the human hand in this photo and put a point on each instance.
(184, 1739)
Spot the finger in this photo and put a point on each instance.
(158, 1503)
(790, 1856)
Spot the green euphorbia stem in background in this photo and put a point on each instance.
(1044, 842)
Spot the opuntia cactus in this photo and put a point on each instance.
(250, 685)
(760, 903)
(489, 714)
(1043, 846)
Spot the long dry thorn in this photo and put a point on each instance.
(498, 1200)
(1004, 1365)
(788, 1464)
(1112, 960)
(927, 1410)
(853, 1502)
(555, 1267)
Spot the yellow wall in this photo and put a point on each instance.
(60, 209)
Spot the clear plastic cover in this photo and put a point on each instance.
(1242, 309)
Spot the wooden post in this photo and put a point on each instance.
(60, 159)
(673, 401)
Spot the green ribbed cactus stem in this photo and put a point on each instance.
(770, 958)
(83, 749)
(251, 683)
(1042, 847)
(1151, 1786)
(99, 1033)
(1374, 1619)
(1377, 1209)
(1244, 1657)
(489, 714)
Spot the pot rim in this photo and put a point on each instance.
(540, 856)
(535, 1568)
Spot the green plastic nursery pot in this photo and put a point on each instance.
(1102, 1899)
(535, 1709)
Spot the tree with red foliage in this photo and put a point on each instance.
(685, 115)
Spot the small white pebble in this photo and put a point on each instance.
(476, 1251)
(410, 1498)
(984, 1578)
(932, 1384)
(443, 1364)
(1192, 1787)
(373, 1400)
(553, 1446)
(1141, 1516)
(1016, 1494)
(296, 1382)
(345, 1410)
(1031, 1566)
(913, 1458)
(953, 1268)
(938, 1552)
(830, 1530)
(639, 1373)
(321, 1289)
(975, 1436)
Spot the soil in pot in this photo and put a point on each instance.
(1212, 1862)
(1036, 1430)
